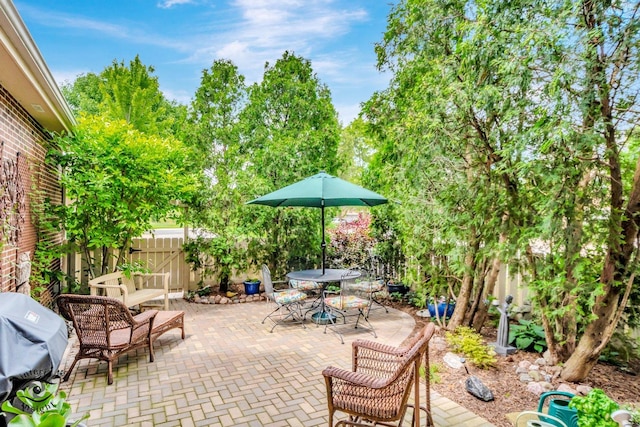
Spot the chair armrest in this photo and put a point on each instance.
(93, 288)
(354, 378)
(147, 276)
(145, 316)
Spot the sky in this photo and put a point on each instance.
(180, 38)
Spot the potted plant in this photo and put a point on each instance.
(251, 286)
(444, 308)
(397, 288)
(48, 407)
(594, 409)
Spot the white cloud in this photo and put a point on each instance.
(167, 4)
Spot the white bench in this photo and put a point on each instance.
(136, 290)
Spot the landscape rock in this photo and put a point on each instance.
(535, 388)
(452, 360)
(583, 390)
(477, 388)
(525, 378)
(524, 364)
(566, 387)
(535, 375)
(521, 370)
(541, 361)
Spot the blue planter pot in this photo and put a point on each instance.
(441, 309)
(251, 288)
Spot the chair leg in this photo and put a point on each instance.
(370, 327)
(68, 374)
(109, 372)
(295, 313)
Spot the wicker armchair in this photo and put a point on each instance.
(378, 387)
(106, 329)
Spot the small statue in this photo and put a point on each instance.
(23, 271)
(502, 344)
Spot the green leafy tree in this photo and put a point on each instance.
(502, 133)
(290, 130)
(128, 92)
(117, 180)
(214, 131)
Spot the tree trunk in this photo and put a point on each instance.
(467, 283)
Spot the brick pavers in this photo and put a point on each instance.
(230, 371)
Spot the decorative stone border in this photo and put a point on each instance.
(221, 299)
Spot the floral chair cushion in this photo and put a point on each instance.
(367, 285)
(288, 296)
(346, 301)
(304, 285)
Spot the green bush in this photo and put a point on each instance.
(528, 336)
(594, 409)
(468, 342)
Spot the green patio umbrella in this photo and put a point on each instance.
(320, 191)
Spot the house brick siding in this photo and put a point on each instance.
(23, 144)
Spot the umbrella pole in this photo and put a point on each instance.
(324, 244)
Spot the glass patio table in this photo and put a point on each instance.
(331, 275)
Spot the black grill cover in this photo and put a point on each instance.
(32, 341)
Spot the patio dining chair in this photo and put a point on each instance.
(377, 389)
(311, 288)
(370, 288)
(290, 301)
(348, 302)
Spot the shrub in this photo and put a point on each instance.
(527, 336)
(468, 342)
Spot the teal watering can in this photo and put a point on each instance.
(559, 407)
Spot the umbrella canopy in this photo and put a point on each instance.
(320, 191)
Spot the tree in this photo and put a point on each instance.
(447, 149)
(214, 131)
(127, 92)
(503, 126)
(290, 130)
(117, 180)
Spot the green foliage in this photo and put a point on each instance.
(127, 92)
(526, 335)
(289, 131)
(218, 209)
(434, 372)
(129, 268)
(594, 409)
(468, 342)
(350, 243)
(500, 160)
(117, 181)
(48, 407)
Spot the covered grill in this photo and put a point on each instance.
(32, 342)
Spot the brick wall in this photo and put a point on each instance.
(23, 179)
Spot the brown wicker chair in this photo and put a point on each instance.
(377, 389)
(106, 329)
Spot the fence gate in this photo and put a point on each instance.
(163, 255)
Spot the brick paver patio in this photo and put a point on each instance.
(230, 371)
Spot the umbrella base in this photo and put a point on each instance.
(323, 317)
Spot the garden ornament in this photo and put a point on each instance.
(502, 346)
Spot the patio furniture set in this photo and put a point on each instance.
(353, 298)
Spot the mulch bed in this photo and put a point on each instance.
(511, 395)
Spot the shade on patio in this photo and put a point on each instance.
(320, 191)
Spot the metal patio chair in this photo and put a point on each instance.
(288, 300)
(348, 302)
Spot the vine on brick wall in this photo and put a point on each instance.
(12, 198)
